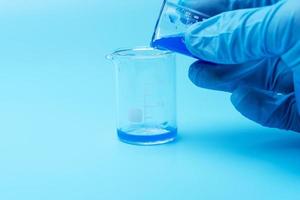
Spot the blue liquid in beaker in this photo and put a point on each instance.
(174, 43)
(147, 136)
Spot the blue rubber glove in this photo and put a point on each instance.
(252, 49)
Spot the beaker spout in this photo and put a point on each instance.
(109, 57)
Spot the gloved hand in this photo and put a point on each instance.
(254, 53)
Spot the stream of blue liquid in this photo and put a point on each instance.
(173, 43)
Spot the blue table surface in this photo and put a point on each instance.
(57, 117)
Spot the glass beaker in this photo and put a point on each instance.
(173, 21)
(146, 95)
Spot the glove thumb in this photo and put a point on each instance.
(267, 108)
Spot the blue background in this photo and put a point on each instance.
(57, 117)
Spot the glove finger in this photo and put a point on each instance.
(245, 35)
(268, 74)
(242, 4)
(267, 108)
(296, 73)
(214, 7)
